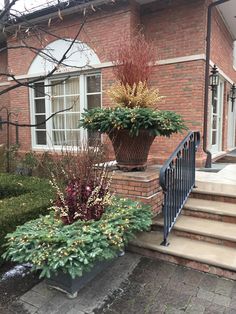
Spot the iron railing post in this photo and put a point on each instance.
(177, 179)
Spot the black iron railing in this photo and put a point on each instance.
(177, 179)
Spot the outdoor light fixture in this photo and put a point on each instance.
(214, 78)
(232, 96)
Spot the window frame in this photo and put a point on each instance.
(48, 108)
(234, 55)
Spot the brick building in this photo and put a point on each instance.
(178, 29)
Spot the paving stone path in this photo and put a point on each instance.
(137, 285)
(160, 287)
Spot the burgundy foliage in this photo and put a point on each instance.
(76, 198)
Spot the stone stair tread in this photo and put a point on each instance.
(212, 207)
(211, 228)
(208, 253)
(223, 190)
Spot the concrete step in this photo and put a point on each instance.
(229, 158)
(214, 192)
(192, 253)
(212, 210)
(212, 231)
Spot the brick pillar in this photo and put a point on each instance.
(140, 186)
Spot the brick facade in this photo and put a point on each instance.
(178, 29)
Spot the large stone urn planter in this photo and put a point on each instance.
(131, 151)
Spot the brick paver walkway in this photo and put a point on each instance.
(137, 285)
(160, 287)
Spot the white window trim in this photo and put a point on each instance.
(83, 100)
(234, 55)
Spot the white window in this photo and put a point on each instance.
(51, 96)
(234, 55)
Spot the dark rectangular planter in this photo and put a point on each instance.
(65, 283)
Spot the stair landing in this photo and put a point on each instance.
(223, 181)
(228, 158)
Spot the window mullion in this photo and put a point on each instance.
(32, 116)
(83, 105)
(65, 113)
(48, 112)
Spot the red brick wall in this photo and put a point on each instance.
(222, 46)
(222, 56)
(183, 86)
(177, 29)
(100, 32)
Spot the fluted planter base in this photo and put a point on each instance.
(131, 151)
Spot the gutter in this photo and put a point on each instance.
(207, 68)
(51, 12)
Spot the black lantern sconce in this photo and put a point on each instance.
(214, 78)
(232, 96)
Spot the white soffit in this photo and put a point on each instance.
(228, 12)
(78, 57)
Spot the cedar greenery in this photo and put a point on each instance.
(52, 246)
(158, 122)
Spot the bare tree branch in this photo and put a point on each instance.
(36, 124)
(6, 10)
(51, 72)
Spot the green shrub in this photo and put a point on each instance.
(52, 246)
(11, 190)
(157, 122)
(21, 199)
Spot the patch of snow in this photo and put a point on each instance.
(18, 270)
(107, 163)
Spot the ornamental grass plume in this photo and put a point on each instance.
(133, 65)
(133, 59)
(138, 95)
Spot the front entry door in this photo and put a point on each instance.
(216, 119)
(231, 125)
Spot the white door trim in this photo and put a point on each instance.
(231, 125)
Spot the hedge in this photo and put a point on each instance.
(21, 199)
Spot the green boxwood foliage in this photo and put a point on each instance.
(52, 246)
(21, 199)
(158, 122)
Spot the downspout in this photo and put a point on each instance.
(207, 68)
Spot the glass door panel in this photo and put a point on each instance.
(216, 119)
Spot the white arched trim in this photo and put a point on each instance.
(78, 57)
